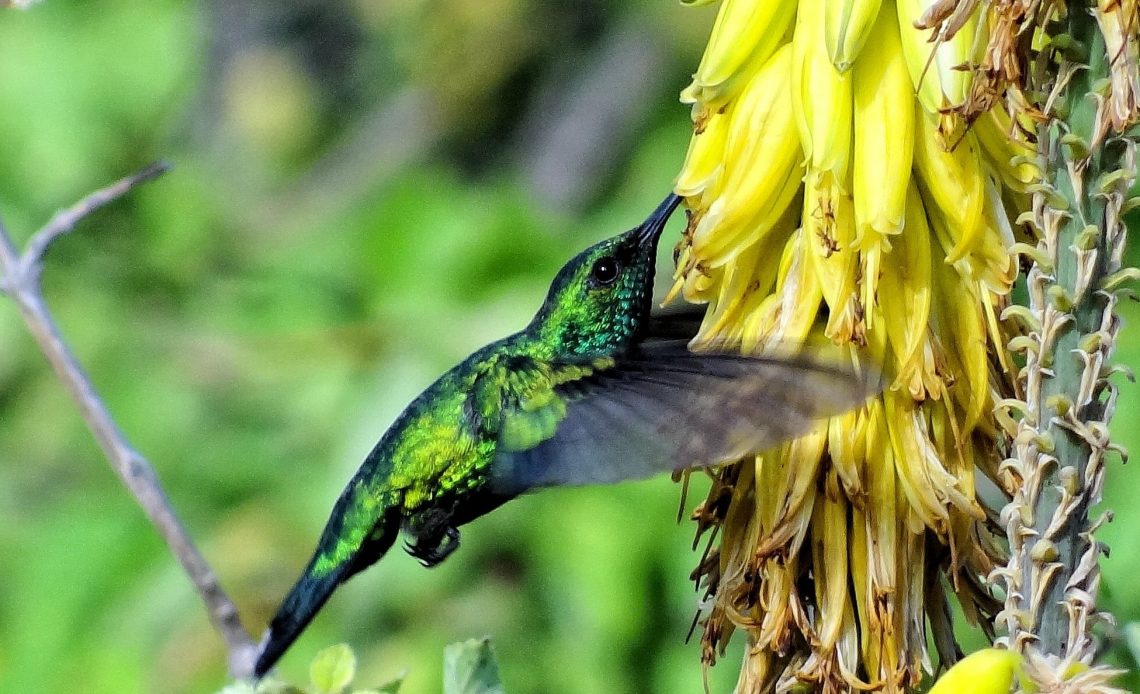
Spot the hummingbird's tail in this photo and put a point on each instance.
(317, 583)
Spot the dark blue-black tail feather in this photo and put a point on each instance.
(300, 606)
(312, 591)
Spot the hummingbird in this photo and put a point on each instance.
(595, 389)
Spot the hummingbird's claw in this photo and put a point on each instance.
(433, 550)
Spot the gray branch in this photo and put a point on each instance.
(21, 282)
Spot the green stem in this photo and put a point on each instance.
(1053, 575)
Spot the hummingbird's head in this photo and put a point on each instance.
(600, 300)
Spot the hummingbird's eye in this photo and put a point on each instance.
(605, 270)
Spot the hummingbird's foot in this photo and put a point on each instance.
(432, 550)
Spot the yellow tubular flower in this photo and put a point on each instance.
(831, 204)
(743, 37)
(988, 671)
(847, 27)
(884, 131)
(904, 302)
(821, 99)
(829, 229)
(781, 314)
(705, 159)
(760, 155)
(955, 183)
(939, 78)
(1008, 153)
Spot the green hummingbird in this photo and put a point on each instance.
(593, 390)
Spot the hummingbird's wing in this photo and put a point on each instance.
(666, 408)
(678, 322)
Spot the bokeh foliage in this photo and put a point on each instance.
(357, 203)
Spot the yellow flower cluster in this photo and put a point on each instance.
(836, 193)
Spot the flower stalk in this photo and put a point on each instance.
(1061, 441)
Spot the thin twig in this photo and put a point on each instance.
(64, 221)
(21, 283)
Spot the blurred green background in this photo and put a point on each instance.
(365, 191)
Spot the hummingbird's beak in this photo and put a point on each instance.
(650, 230)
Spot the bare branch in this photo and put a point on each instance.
(64, 221)
(21, 283)
(9, 259)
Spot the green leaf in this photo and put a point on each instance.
(1132, 638)
(469, 667)
(332, 669)
(392, 687)
(275, 686)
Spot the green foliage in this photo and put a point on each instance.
(332, 669)
(1132, 639)
(470, 667)
(331, 672)
(255, 319)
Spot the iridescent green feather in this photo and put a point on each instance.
(537, 408)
